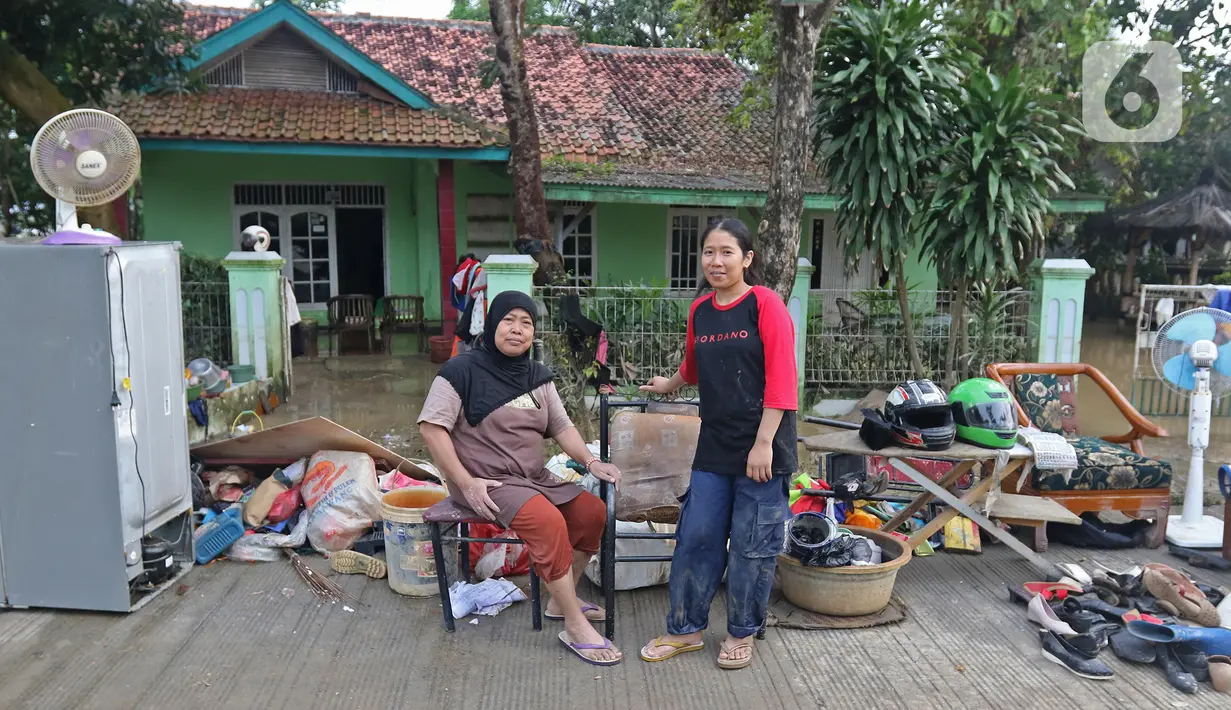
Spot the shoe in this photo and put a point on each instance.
(1168, 585)
(1130, 648)
(1071, 613)
(1076, 573)
(1052, 590)
(1019, 595)
(1179, 678)
(351, 562)
(1108, 611)
(1041, 613)
(1089, 644)
(1193, 660)
(1056, 650)
(1220, 673)
(1136, 615)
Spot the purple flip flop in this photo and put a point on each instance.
(587, 607)
(577, 648)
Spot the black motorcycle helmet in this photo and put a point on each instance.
(919, 416)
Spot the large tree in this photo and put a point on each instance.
(888, 81)
(60, 54)
(778, 234)
(525, 154)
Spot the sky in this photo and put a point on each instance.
(394, 8)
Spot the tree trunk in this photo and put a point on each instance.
(1130, 263)
(525, 155)
(908, 323)
(1195, 245)
(957, 318)
(778, 234)
(33, 95)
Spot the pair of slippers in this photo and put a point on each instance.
(677, 647)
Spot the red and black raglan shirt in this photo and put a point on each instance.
(742, 357)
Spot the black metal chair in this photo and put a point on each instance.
(607, 552)
(446, 516)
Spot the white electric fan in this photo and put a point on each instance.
(1192, 354)
(84, 158)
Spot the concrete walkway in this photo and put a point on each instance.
(252, 636)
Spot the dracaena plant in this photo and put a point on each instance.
(988, 212)
(886, 81)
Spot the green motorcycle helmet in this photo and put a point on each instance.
(984, 413)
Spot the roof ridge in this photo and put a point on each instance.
(369, 17)
(624, 49)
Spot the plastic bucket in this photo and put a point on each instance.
(408, 540)
(440, 347)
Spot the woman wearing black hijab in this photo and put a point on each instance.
(484, 421)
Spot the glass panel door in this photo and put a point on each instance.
(313, 266)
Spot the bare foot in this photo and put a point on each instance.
(668, 644)
(593, 612)
(585, 634)
(736, 650)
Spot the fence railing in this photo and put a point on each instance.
(207, 320)
(856, 339)
(645, 326)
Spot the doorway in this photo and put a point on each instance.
(361, 251)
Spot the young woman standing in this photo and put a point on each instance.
(740, 351)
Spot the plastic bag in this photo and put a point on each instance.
(342, 498)
(284, 506)
(267, 547)
(654, 453)
(635, 575)
(497, 559)
(262, 499)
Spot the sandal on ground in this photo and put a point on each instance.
(351, 562)
(734, 664)
(581, 648)
(586, 610)
(677, 647)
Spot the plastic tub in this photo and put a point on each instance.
(408, 540)
(242, 373)
(845, 591)
(440, 348)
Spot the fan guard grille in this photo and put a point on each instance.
(56, 147)
(1165, 349)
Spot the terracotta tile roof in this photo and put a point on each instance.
(319, 117)
(666, 109)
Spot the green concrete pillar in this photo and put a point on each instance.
(257, 313)
(509, 272)
(1057, 305)
(797, 305)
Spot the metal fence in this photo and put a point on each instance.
(1158, 304)
(207, 320)
(645, 326)
(855, 340)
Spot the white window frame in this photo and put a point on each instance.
(568, 209)
(704, 215)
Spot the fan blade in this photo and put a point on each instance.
(1179, 371)
(1190, 329)
(1223, 363)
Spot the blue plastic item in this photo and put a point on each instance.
(213, 538)
(1214, 642)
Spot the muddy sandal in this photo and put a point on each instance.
(677, 647)
(734, 664)
(351, 562)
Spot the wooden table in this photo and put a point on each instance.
(985, 494)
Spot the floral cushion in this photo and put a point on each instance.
(1103, 466)
(1040, 396)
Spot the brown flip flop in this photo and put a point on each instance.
(734, 664)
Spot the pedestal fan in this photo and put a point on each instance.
(1192, 354)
